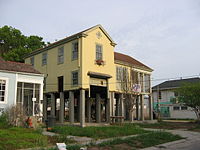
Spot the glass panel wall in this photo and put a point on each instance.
(28, 97)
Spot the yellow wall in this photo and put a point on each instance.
(54, 70)
(89, 57)
(84, 64)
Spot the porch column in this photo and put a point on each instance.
(82, 108)
(53, 104)
(98, 108)
(89, 109)
(142, 107)
(112, 98)
(121, 106)
(108, 110)
(71, 107)
(62, 103)
(44, 107)
(117, 106)
(137, 108)
(150, 108)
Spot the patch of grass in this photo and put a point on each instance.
(16, 138)
(100, 132)
(142, 141)
(153, 125)
(196, 128)
(60, 139)
(169, 125)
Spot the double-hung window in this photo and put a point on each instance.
(32, 61)
(99, 52)
(75, 78)
(119, 73)
(61, 55)
(2, 90)
(75, 51)
(44, 59)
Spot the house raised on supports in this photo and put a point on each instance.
(86, 81)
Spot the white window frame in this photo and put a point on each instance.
(75, 51)
(6, 90)
(61, 55)
(97, 53)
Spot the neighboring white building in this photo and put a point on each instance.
(20, 84)
(164, 92)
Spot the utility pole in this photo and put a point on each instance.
(158, 102)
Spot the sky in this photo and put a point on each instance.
(163, 34)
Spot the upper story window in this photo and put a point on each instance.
(44, 58)
(2, 90)
(119, 71)
(147, 82)
(75, 51)
(61, 55)
(75, 78)
(122, 74)
(159, 95)
(99, 52)
(32, 61)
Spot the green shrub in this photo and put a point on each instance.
(4, 120)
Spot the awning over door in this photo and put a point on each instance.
(99, 75)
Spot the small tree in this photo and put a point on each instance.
(16, 116)
(126, 86)
(189, 95)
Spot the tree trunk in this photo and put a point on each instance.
(130, 115)
(197, 112)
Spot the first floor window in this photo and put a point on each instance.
(75, 78)
(2, 90)
(176, 108)
(184, 108)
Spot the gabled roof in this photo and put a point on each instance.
(103, 30)
(175, 83)
(70, 38)
(17, 67)
(130, 60)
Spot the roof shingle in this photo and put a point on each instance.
(130, 60)
(175, 83)
(17, 67)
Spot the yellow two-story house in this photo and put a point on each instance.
(86, 81)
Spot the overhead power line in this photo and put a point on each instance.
(153, 80)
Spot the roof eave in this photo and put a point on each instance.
(20, 72)
(53, 45)
(104, 31)
(131, 65)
